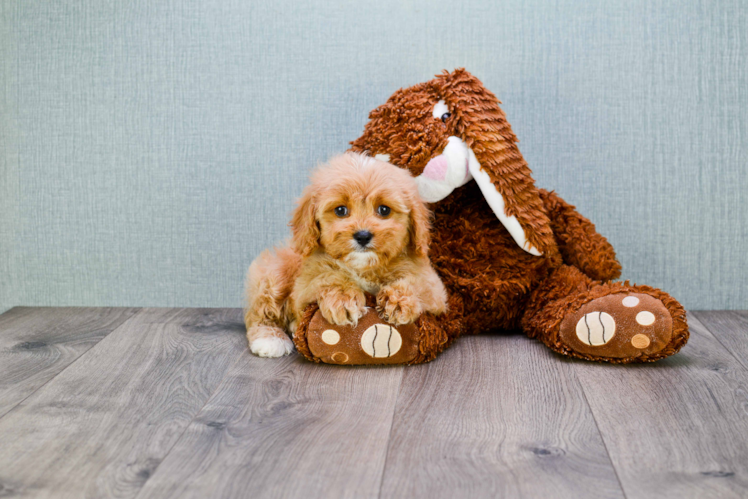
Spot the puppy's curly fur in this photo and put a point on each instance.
(360, 226)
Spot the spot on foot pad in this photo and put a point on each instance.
(640, 341)
(330, 337)
(630, 301)
(381, 341)
(596, 328)
(645, 318)
(340, 357)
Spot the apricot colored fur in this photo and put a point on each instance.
(324, 265)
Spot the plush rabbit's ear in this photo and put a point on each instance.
(304, 225)
(496, 163)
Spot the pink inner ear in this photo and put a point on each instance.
(436, 168)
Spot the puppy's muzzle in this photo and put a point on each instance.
(363, 238)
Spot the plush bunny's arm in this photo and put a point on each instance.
(580, 244)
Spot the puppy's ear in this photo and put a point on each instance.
(304, 225)
(420, 227)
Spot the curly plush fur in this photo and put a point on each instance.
(495, 282)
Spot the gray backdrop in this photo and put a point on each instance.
(151, 149)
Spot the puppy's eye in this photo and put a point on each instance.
(445, 116)
(341, 211)
(384, 210)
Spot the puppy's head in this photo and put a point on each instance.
(361, 211)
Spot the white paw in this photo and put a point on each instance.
(271, 347)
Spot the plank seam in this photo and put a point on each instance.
(189, 424)
(600, 433)
(696, 315)
(138, 311)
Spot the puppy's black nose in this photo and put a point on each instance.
(362, 237)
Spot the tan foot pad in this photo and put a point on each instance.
(620, 325)
(372, 342)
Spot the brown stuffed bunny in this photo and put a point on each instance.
(511, 255)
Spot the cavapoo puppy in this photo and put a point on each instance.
(360, 226)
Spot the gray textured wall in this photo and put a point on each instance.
(149, 150)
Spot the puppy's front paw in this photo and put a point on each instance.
(271, 347)
(398, 305)
(342, 307)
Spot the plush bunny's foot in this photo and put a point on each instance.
(372, 341)
(613, 322)
(619, 325)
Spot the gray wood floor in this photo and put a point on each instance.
(107, 402)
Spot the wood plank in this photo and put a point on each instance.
(101, 427)
(730, 328)
(37, 343)
(677, 427)
(285, 428)
(495, 416)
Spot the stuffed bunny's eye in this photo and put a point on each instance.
(441, 111)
